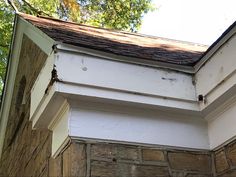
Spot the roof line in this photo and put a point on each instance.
(121, 31)
(112, 56)
(213, 45)
(153, 48)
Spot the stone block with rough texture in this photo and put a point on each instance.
(112, 169)
(231, 153)
(111, 151)
(153, 155)
(221, 163)
(190, 161)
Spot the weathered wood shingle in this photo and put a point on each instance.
(120, 43)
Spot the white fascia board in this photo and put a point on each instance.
(216, 78)
(124, 97)
(214, 49)
(21, 27)
(139, 61)
(99, 77)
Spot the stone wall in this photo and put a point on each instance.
(26, 152)
(116, 160)
(225, 161)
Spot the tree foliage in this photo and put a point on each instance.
(6, 23)
(116, 14)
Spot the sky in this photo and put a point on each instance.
(198, 21)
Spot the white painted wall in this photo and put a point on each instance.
(122, 123)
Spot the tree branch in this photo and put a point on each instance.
(4, 45)
(12, 5)
(39, 12)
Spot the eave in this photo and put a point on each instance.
(228, 33)
(67, 89)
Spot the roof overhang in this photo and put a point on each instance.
(187, 75)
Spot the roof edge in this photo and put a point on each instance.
(23, 15)
(127, 59)
(224, 37)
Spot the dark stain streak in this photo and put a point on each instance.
(20, 94)
(54, 78)
(21, 120)
(170, 79)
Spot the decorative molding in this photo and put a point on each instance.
(61, 148)
(65, 107)
(60, 128)
(215, 113)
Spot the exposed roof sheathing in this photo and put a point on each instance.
(118, 42)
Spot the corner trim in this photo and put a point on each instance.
(10, 79)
